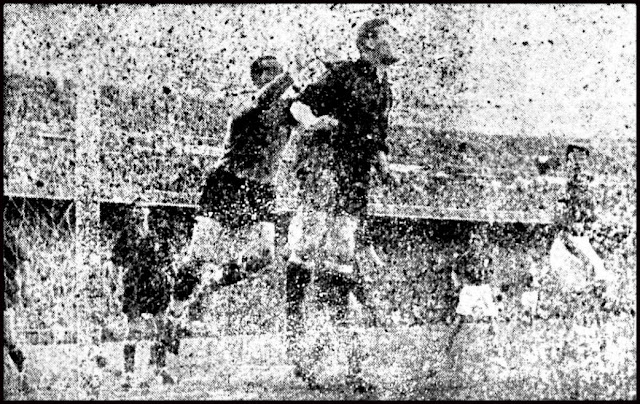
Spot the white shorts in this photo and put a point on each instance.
(214, 243)
(477, 301)
(568, 272)
(320, 237)
(145, 327)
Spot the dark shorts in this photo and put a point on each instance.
(147, 278)
(352, 195)
(145, 291)
(348, 194)
(237, 202)
(331, 289)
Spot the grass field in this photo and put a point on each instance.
(519, 361)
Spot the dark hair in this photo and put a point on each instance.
(258, 66)
(369, 30)
(576, 148)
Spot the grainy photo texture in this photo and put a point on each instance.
(319, 201)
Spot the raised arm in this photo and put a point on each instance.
(264, 97)
(305, 116)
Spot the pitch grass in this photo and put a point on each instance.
(543, 360)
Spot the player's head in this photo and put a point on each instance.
(378, 42)
(577, 157)
(264, 69)
(138, 218)
(577, 153)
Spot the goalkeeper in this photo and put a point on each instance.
(347, 114)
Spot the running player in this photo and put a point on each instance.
(474, 294)
(575, 267)
(346, 114)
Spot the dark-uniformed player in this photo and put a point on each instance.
(575, 267)
(145, 257)
(346, 114)
(234, 234)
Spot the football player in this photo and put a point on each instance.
(234, 234)
(346, 116)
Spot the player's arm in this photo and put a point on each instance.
(312, 109)
(380, 148)
(263, 98)
(382, 166)
(274, 90)
(309, 121)
(576, 249)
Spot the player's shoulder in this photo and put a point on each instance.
(242, 105)
(341, 66)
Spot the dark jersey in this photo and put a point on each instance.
(352, 93)
(579, 200)
(257, 134)
(146, 259)
(239, 190)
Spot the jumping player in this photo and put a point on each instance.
(346, 115)
(234, 235)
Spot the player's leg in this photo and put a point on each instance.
(131, 311)
(259, 252)
(341, 244)
(305, 236)
(134, 335)
(10, 340)
(144, 331)
(341, 285)
(256, 251)
(352, 185)
(11, 377)
(245, 241)
(219, 209)
(239, 253)
(474, 303)
(14, 359)
(200, 267)
(158, 354)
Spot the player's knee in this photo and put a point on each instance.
(306, 234)
(344, 246)
(257, 262)
(187, 277)
(344, 243)
(268, 232)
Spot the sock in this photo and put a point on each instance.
(129, 357)
(297, 279)
(158, 355)
(171, 338)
